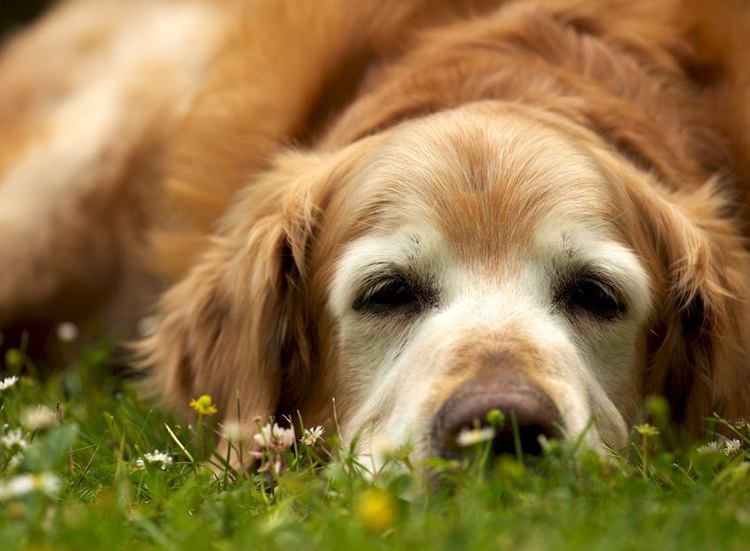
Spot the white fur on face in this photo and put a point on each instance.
(395, 367)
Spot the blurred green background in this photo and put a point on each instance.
(14, 14)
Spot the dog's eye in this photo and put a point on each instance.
(388, 296)
(595, 297)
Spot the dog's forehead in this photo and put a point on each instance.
(486, 181)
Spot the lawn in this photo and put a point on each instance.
(85, 464)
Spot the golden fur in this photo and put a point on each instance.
(253, 195)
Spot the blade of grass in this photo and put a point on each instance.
(181, 446)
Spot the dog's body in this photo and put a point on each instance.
(425, 210)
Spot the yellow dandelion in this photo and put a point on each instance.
(647, 430)
(203, 405)
(376, 510)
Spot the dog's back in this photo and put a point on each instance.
(91, 96)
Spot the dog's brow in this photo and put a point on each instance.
(375, 270)
(579, 267)
(569, 250)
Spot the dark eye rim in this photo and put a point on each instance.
(393, 294)
(592, 295)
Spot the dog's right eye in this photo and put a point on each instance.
(592, 295)
(388, 296)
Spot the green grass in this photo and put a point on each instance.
(646, 498)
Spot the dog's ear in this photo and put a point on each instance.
(233, 323)
(698, 344)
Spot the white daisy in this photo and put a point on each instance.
(158, 459)
(24, 484)
(14, 441)
(312, 436)
(469, 437)
(67, 332)
(709, 448)
(8, 382)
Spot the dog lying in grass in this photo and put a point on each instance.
(420, 212)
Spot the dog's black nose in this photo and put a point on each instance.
(528, 414)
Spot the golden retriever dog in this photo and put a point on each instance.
(406, 213)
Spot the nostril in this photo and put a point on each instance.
(515, 438)
(528, 414)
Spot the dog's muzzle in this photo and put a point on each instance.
(534, 411)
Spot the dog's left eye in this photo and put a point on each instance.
(388, 296)
(594, 297)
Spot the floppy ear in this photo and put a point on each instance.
(698, 346)
(235, 321)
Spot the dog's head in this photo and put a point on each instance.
(490, 257)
